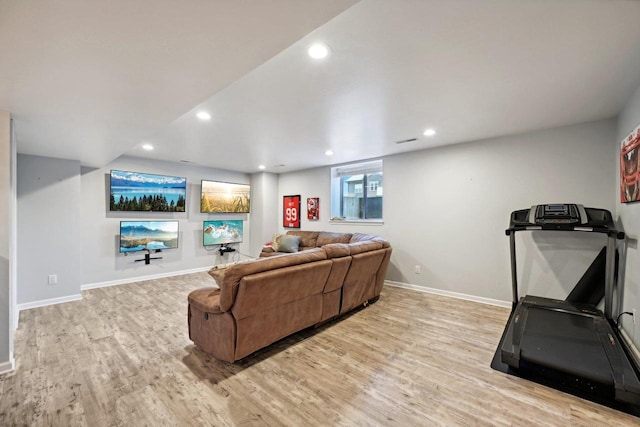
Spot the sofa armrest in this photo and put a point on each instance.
(206, 300)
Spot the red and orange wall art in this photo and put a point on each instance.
(630, 167)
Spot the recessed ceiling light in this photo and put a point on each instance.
(262, 167)
(318, 51)
(203, 115)
(147, 147)
(328, 153)
(429, 132)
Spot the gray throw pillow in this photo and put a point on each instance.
(287, 243)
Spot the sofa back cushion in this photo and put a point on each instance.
(268, 290)
(364, 246)
(360, 281)
(234, 273)
(338, 273)
(308, 239)
(361, 237)
(218, 271)
(340, 255)
(325, 238)
(336, 250)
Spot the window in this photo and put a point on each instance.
(356, 192)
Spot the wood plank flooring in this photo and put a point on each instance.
(122, 357)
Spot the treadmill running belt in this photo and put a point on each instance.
(565, 342)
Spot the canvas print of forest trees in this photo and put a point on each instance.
(134, 191)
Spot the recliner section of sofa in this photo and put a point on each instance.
(262, 301)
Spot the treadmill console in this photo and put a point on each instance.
(558, 214)
(564, 216)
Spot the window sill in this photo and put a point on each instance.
(356, 221)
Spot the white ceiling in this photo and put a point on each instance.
(95, 80)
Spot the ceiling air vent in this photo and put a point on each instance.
(404, 141)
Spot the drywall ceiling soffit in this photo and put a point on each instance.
(91, 80)
(471, 69)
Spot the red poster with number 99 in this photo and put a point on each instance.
(291, 211)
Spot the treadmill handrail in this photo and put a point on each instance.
(597, 221)
(619, 235)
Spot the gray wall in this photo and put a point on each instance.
(6, 224)
(446, 209)
(629, 217)
(101, 262)
(264, 211)
(48, 219)
(65, 227)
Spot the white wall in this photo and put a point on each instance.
(48, 219)
(446, 209)
(629, 217)
(6, 226)
(101, 262)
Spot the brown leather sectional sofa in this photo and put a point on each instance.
(264, 300)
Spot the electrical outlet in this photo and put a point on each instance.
(53, 279)
(418, 269)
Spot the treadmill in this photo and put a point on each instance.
(569, 345)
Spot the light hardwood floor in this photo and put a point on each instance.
(122, 356)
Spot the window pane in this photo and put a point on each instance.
(374, 196)
(356, 191)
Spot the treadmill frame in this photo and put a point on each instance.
(625, 393)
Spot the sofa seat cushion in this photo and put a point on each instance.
(324, 238)
(206, 300)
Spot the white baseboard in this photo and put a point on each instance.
(50, 301)
(142, 278)
(7, 367)
(451, 294)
